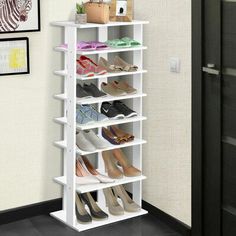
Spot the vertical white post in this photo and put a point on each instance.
(102, 37)
(137, 106)
(65, 126)
(71, 126)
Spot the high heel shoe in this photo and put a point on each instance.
(95, 210)
(128, 169)
(80, 211)
(95, 173)
(128, 204)
(112, 170)
(83, 177)
(111, 202)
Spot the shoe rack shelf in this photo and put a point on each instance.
(71, 33)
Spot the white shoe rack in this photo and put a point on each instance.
(72, 32)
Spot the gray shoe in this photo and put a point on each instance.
(128, 204)
(114, 207)
(93, 90)
(83, 143)
(95, 140)
(81, 214)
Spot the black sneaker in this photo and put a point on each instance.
(81, 93)
(110, 111)
(123, 109)
(94, 91)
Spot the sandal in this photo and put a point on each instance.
(92, 66)
(117, 43)
(121, 134)
(125, 66)
(82, 46)
(108, 135)
(96, 45)
(131, 42)
(110, 68)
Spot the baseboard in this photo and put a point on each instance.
(24, 212)
(172, 222)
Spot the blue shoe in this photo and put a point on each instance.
(82, 119)
(90, 112)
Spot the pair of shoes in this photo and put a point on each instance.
(117, 110)
(87, 114)
(87, 67)
(125, 42)
(111, 195)
(88, 91)
(116, 136)
(116, 88)
(88, 141)
(119, 65)
(87, 174)
(88, 46)
(82, 215)
(111, 158)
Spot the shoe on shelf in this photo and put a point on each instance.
(112, 90)
(83, 177)
(114, 207)
(81, 92)
(128, 169)
(82, 215)
(125, 66)
(91, 112)
(97, 142)
(93, 91)
(110, 111)
(110, 68)
(121, 134)
(95, 173)
(83, 143)
(92, 66)
(95, 210)
(110, 137)
(83, 70)
(82, 119)
(123, 109)
(128, 204)
(123, 85)
(111, 168)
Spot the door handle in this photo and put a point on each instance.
(210, 69)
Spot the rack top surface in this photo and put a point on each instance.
(91, 25)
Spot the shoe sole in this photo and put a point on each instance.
(131, 115)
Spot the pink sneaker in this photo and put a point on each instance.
(92, 66)
(83, 70)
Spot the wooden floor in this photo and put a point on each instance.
(45, 225)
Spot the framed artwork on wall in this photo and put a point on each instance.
(19, 16)
(14, 56)
(121, 10)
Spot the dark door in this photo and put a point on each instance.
(219, 118)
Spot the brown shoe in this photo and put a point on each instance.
(125, 66)
(110, 166)
(110, 68)
(112, 90)
(122, 85)
(121, 134)
(128, 169)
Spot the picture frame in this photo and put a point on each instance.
(121, 10)
(14, 56)
(26, 20)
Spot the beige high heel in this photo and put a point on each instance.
(128, 204)
(110, 167)
(111, 202)
(129, 170)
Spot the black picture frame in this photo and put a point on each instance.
(26, 39)
(33, 30)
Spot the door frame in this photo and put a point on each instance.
(197, 119)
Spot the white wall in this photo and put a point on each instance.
(29, 161)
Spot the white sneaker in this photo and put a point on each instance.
(83, 143)
(95, 140)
